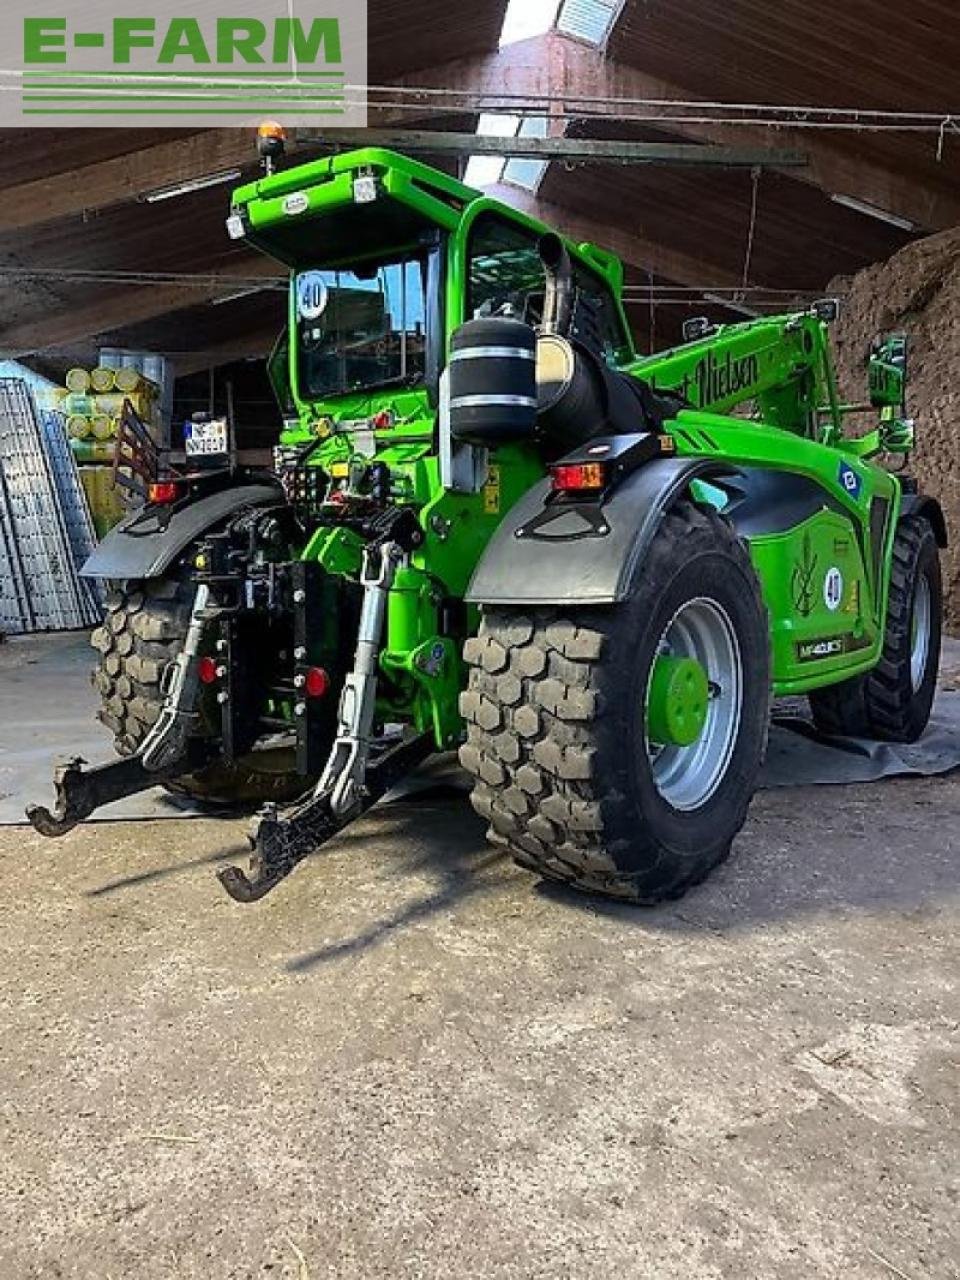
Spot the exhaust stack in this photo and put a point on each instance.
(558, 299)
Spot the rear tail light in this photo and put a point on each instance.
(316, 683)
(163, 492)
(208, 670)
(579, 477)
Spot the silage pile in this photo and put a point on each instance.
(918, 292)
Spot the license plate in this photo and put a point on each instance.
(206, 438)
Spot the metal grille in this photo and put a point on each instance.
(73, 503)
(16, 614)
(39, 587)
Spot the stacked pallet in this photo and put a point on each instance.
(92, 403)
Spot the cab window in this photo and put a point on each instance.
(505, 278)
(505, 272)
(614, 343)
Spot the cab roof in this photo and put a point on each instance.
(282, 213)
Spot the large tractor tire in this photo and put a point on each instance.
(617, 748)
(892, 703)
(143, 631)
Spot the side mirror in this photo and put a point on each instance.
(697, 327)
(887, 372)
(827, 310)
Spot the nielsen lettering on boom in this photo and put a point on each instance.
(714, 379)
(224, 41)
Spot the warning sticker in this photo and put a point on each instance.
(491, 493)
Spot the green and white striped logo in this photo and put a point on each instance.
(95, 63)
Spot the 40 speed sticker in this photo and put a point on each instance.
(312, 295)
(833, 589)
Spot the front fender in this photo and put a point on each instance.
(921, 504)
(145, 543)
(574, 558)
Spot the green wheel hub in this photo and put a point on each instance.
(677, 702)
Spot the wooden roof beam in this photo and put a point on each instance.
(441, 142)
(122, 178)
(552, 66)
(557, 67)
(243, 346)
(637, 251)
(579, 71)
(128, 305)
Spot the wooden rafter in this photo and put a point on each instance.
(123, 306)
(551, 66)
(647, 255)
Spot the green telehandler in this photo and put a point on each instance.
(492, 526)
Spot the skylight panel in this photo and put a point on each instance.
(528, 173)
(589, 20)
(486, 171)
(527, 18)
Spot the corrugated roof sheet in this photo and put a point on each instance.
(801, 240)
(818, 52)
(409, 35)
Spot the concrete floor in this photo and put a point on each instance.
(414, 1061)
(48, 712)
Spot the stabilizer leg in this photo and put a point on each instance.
(280, 842)
(80, 791)
(166, 753)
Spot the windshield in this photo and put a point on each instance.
(362, 328)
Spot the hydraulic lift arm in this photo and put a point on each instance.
(780, 363)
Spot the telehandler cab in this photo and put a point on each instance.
(493, 526)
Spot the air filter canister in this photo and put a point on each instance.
(493, 382)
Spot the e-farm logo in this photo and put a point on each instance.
(87, 62)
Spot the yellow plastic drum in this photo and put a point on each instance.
(76, 402)
(111, 406)
(91, 450)
(78, 380)
(103, 426)
(78, 426)
(102, 379)
(103, 499)
(127, 380)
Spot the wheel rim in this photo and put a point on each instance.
(920, 632)
(687, 776)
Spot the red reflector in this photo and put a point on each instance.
(316, 683)
(579, 476)
(207, 670)
(163, 491)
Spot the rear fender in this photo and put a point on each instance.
(582, 554)
(145, 543)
